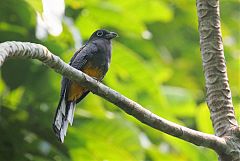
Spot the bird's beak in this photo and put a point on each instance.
(111, 35)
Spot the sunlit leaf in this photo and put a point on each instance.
(203, 119)
(13, 98)
(180, 100)
(36, 4)
(127, 68)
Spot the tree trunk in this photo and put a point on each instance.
(218, 94)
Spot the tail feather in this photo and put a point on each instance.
(63, 107)
(63, 116)
(71, 112)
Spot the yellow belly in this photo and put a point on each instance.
(76, 90)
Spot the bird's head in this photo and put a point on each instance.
(103, 34)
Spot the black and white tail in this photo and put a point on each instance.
(63, 116)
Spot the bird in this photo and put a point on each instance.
(93, 59)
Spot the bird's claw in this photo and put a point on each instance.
(95, 79)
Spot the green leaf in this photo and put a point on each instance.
(187, 151)
(153, 10)
(36, 5)
(6, 27)
(91, 106)
(203, 119)
(130, 75)
(180, 100)
(104, 139)
(2, 86)
(13, 99)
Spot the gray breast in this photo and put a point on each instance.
(102, 57)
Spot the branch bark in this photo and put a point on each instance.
(218, 93)
(36, 51)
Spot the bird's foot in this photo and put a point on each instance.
(96, 79)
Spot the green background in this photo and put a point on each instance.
(162, 72)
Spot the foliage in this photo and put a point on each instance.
(156, 62)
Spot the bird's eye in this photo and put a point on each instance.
(99, 33)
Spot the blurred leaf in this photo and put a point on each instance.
(75, 4)
(17, 12)
(13, 99)
(183, 148)
(92, 107)
(2, 86)
(10, 27)
(154, 153)
(152, 10)
(180, 101)
(203, 119)
(146, 89)
(36, 4)
(109, 139)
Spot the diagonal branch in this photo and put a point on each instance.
(36, 51)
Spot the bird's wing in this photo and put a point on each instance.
(65, 80)
(76, 53)
(65, 110)
(78, 60)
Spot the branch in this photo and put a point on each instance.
(36, 51)
(218, 97)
